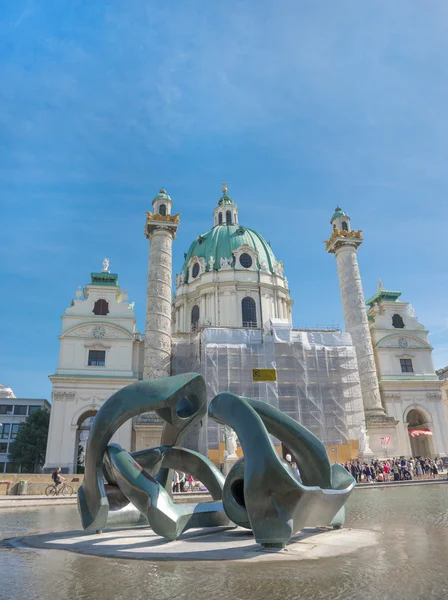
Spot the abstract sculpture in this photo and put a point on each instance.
(262, 492)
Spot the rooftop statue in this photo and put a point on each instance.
(262, 492)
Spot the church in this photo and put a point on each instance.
(369, 391)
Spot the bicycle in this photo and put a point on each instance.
(55, 490)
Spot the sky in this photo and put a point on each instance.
(300, 105)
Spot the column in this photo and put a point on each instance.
(157, 359)
(357, 325)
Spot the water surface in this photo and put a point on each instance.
(410, 562)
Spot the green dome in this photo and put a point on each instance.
(223, 240)
(162, 194)
(338, 212)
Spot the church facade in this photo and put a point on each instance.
(100, 352)
(369, 391)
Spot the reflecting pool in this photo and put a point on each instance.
(410, 562)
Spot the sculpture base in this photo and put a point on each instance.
(229, 462)
(234, 544)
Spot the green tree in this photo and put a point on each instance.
(28, 449)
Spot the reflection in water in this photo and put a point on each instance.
(409, 563)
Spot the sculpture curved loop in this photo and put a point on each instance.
(179, 400)
(266, 487)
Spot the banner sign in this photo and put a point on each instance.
(264, 375)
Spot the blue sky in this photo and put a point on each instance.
(299, 104)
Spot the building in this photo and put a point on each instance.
(14, 411)
(442, 374)
(404, 412)
(100, 352)
(230, 316)
(230, 278)
(410, 388)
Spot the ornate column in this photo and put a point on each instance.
(160, 230)
(343, 244)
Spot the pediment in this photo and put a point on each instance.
(98, 331)
(403, 341)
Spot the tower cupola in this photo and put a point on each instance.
(340, 220)
(162, 204)
(226, 212)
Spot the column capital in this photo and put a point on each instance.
(162, 223)
(340, 238)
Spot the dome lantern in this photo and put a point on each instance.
(340, 220)
(162, 203)
(226, 212)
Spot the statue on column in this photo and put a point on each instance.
(363, 439)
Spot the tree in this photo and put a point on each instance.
(28, 449)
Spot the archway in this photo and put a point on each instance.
(82, 435)
(419, 433)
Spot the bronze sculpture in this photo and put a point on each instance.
(262, 492)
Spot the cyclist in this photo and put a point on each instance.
(57, 477)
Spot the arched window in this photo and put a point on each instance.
(344, 226)
(228, 217)
(220, 218)
(397, 321)
(84, 425)
(249, 313)
(162, 210)
(195, 271)
(101, 308)
(195, 318)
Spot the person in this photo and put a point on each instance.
(418, 469)
(176, 480)
(295, 468)
(434, 470)
(396, 472)
(182, 479)
(57, 477)
(191, 482)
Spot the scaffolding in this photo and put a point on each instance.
(317, 379)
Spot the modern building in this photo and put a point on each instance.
(230, 316)
(14, 411)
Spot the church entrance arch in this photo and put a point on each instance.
(82, 435)
(419, 433)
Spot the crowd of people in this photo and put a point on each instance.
(375, 471)
(395, 469)
(182, 482)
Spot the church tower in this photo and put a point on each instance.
(344, 243)
(160, 229)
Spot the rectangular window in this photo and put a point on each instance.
(97, 358)
(406, 365)
(32, 409)
(14, 430)
(4, 431)
(2, 467)
(3, 448)
(20, 410)
(5, 409)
